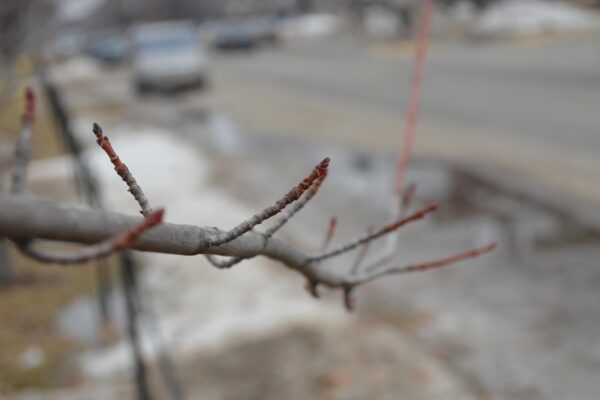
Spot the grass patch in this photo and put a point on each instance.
(28, 310)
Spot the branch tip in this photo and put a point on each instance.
(28, 109)
(349, 300)
(313, 289)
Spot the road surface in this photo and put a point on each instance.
(532, 109)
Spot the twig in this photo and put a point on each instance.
(407, 197)
(294, 194)
(412, 114)
(22, 219)
(297, 206)
(415, 91)
(329, 234)
(375, 235)
(23, 145)
(417, 267)
(362, 253)
(93, 252)
(122, 169)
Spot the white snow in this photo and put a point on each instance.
(310, 25)
(75, 69)
(534, 16)
(199, 307)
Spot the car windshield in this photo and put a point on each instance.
(167, 43)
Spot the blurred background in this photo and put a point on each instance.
(220, 106)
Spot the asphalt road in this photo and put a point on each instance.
(531, 107)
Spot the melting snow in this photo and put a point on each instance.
(533, 16)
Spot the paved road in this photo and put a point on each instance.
(530, 108)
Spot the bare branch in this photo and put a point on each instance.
(23, 145)
(442, 262)
(23, 219)
(319, 171)
(122, 169)
(93, 252)
(362, 253)
(415, 94)
(297, 206)
(397, 204)
(375, 235)
(407, 197)
(330, 233)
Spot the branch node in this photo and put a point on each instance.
(313, 288)
(349, 300)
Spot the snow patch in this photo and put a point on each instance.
(198, 306)
(534, 16)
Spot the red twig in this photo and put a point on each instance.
(407, 197)
(297, 206)
(415, 90)
(122, 169)
(103, 249)
(319, 171)
(370, 237)
(442, 262)
(362, 254)
(29, 109)
(330, 233)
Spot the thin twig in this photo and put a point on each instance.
(362, 253)
(329, 234)
(423, 266)
(412, 113)
(122, 169)
(415, 92)
(287, 215)
(375, 235)
(293, 195)
(297, 206)
(99, 250)
(23, 145)
(408, 195)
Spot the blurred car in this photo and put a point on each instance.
(167, 56)
(233, 36)
(245, 34)
(110, 48)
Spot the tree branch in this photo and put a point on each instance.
(23, 219)
(375, 235)
(122, 169)
(95, 251)
(294, 194)
(279, 223)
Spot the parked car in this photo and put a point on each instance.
(231, 36)
(109, 48)
(167, 56)
(245, 34)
